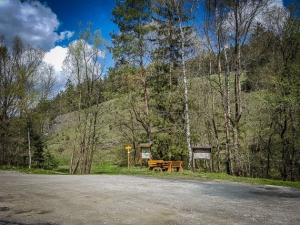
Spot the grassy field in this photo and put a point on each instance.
(107, 168)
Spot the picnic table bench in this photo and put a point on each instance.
(168, 166)
(154, 164)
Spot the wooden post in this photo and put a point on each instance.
(128, 152)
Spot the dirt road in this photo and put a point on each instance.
(106, 199)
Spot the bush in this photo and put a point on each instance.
(50, 162)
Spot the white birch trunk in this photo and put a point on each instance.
(186, 100)
(29, 148)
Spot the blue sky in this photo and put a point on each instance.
(52, 24)
(70, 12)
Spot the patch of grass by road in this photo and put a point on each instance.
(112, 169)
(186, 174)
(30, 171)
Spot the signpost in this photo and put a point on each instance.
(128, 148)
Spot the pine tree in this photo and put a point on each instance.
(166, 61)
(130, 45)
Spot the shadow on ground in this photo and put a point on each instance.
(3, 222)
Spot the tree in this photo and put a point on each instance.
(243, 15)
(278, 59)
(45, 81)
(18, 65)
(215, 33)
(130, 49)
(184, 10)
(164, 81)
(237, 19)
(84, 64)
(165, 41)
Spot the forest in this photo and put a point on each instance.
(221, 73)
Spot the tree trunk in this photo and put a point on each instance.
(229, 165)
(186, 100)
(29, 147)
(144, 83)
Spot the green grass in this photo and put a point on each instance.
(188, 175)
(111, 169)
(30, 171)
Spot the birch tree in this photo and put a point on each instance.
(184, 9)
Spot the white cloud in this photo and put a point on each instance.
(34, 22)
(277, 3)
(56, 57)
(65, 35)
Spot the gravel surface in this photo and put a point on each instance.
(117, 199)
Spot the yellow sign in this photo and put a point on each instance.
(128, 150)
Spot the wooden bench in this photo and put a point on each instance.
(155, 163)
(177, 165)
(170, 165)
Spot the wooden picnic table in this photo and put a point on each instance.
(168, 166)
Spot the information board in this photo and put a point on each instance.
(202, 154)
(145, 153)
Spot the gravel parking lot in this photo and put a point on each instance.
(118, 199)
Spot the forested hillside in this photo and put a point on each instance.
(218, 73)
